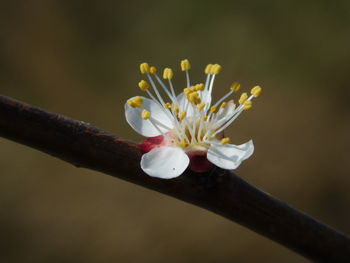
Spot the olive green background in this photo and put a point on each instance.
(80, 59)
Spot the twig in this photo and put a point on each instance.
(219, 191)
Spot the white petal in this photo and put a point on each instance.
(165, 162)
(145, 127)
(229, 156)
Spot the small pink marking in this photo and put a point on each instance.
(151, 143)
(157, 141)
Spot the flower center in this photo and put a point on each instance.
(194, 131)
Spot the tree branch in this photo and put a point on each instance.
(219, 191)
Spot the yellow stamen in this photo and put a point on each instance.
(152, 70)
(144, 68)
(182, 115)
(184, 144)
(138, 100)
(194, 97)
(143, 85)
(213, 109)
(187, 91)
(243, 98)
(176, 108)
(167, 105)
(131, 103)
(207, 69)
(145, 114)
(225, 140)
(199, 86)
(247, 105)
(205, 117)
(256, 91)
(135, 102)
(168, 73)
(235, 86)
(185, 65)
(223, 105)
(200, 107)
(216, 69)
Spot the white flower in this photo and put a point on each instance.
(187, 130)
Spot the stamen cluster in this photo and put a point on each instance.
(190, 120)
(199, 127)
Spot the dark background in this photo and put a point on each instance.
(80, 58)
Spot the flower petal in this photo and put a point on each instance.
(145, 127)
(229, 156)
(165, 162)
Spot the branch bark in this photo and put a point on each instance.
(219, 191)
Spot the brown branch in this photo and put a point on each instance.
(219, 191)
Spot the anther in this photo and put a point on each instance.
(199, 86)
(131, 103)
(205, 117)
(185, 65)
(225, 140)
(135, 102)
(138, 100)
(184, 144)
(144, 68)
(216, 69)
(207, 69)
(187, 91)
(168, 73)
(143, 85)
(145, 114)
(243, 98)
(194, 97)
(247, 104)
(176, 108)
(223, 105)
(182, 115)
(235, 87)
(213, 109)
(152, 70)
(167, 105)
(256, 91)
(200, 107)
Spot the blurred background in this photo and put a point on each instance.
(81, 58)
